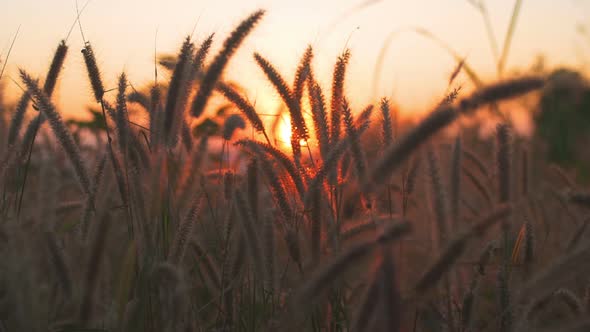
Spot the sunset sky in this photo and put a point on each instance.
(415, 72)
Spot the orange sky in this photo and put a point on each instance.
(415, 72)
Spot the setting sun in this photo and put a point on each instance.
(283, 133)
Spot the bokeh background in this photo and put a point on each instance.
(124, 34)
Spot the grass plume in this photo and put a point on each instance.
(59, 129)
(215, 70)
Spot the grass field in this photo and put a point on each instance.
(156, 216)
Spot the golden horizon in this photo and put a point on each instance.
(414, 73)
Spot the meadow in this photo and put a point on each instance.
(139, 220)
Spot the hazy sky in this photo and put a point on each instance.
(415, 73)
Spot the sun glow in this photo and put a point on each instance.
(283, 133)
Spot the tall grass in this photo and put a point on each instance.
(380, 228)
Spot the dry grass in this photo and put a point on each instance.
(168, 235)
